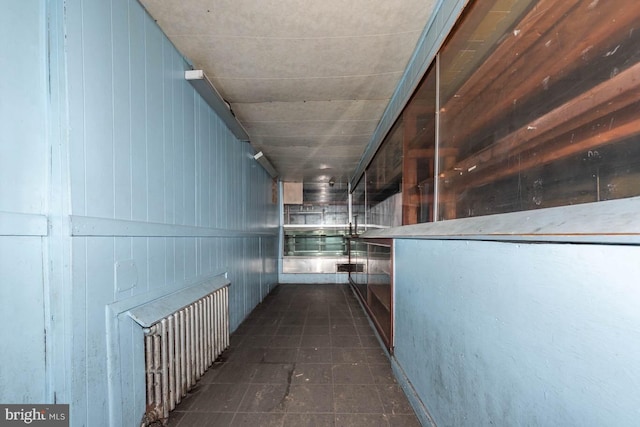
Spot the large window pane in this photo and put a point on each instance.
(419, 119)
(539, 106)
(384, 181)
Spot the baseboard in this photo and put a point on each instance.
(425, 418)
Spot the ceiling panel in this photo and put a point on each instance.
(313, 128)
(369, 87)
(260, 57)
(328, 142)
(310, 110)
(288, 18)
(309, 81)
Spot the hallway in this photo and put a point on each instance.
(306, 356)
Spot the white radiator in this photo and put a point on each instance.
(179, 348)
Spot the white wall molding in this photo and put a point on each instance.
(84, 226)
(609, 222)
(20, 224)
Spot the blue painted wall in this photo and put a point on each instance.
(512, 334)
(23, 200)
(145, 148)
(100, 128)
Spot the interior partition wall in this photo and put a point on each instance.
(515, 286)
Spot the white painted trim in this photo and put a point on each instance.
(21, 224)
(609, 222)
(153, 311)
(83, 226)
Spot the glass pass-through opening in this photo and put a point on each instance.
(530, 104)
(374, 282)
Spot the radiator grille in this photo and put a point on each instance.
(178, 350)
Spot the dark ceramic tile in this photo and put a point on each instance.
(253, 320)
(382, 373)
(349, 355)
(236, 340)
(364, 330)
(257, 420)
(297, 311)
(343, 341)
(361, 420)
(211, 373)
(343, 330)
(190, 398)
(230, 373)
(351, 373)
(175, 418)
(247, 355)
(317, 330)
(273, 373)
(317, 321)
(243, 329)
(309, 420)
(270, 381)
(267, 328)
(314, 355)
(207, 419)
(318, 308)
(284, 341)
(353, 399)
(394, 400)
(370, 341)
(258, 341)
(264, 398)
(315, 341)
(312, 373)
(312, 398)
(280, 355)
(342, 312)
(403, 421)
(219, 398)
(290, 330)
(293, 321)
(341, 321)
(376, 355)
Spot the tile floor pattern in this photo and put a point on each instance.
(306, 356)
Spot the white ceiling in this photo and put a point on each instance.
(309, 80)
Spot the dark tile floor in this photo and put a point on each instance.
(306, 356)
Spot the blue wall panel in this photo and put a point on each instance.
(145, 147)
(24, 171)
(520, 334)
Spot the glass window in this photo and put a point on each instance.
(533, 104)
(539, 106)
(384, 181)
(418, 170)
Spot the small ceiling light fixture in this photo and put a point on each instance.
(332, 181)
(266, 164)
(208, 92)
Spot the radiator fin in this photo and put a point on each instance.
(180, 348)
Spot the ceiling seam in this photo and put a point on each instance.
(195, 35)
